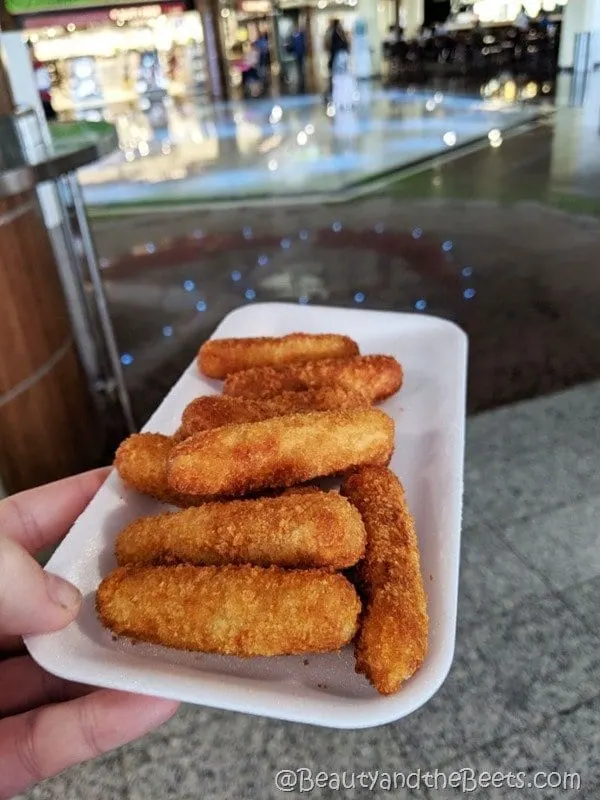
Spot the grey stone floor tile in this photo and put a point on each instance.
(216, 754)
(584, 600)
(509, 673)
(565, 418)
(492, 578)
(199, 753)
(372, 753)
(467, 710)
(563, 545)
(541, 657)
(99, 779)
(567, 744)
(528, 484)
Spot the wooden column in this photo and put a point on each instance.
(7, 22)
(310, 67)
(218, 69)
(48, 423)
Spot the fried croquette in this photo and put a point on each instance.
(280, 452)
(374, 377)
(218, 358)
(214, 411)
(141, 461)
(392, 640)
(311, 529)
(232, 610)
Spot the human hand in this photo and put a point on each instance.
(46, 723)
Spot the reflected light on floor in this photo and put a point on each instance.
(449, 138)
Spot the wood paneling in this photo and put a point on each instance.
(48, 422)
(50, 430)
(35, 321)
(6, 99)
(7, 22)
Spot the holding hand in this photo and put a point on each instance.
(46, 723)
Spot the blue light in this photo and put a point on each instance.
(303, 235)
(467, 272)
(263, 260)
(285, 244)
(249, 294)
(336, 227)
(303, 300)
(150, 247)
(447, 246)
(126, 359)
(468, 294)
(167, 330)
(421, 305)
(380, 227)
(359, 297)
(417, 233)
(236, 275)
(201, 305)
(247, 232)
(189, 286)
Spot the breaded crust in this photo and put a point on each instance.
(233, 610)
(392, 641)
(374, 377)
(214, 411)
(311, 529)
(238, 459)
(218, 358)
(141, 461)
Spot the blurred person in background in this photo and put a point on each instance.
(246, 60)
(425, 33)
(262, 46)
(391, 36)
(522, 20)
(543, 20)
(336, 42)
(43, 83)
(298, 50)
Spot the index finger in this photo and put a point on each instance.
(42, 742)
(41, 517)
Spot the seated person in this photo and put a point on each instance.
(246, 60)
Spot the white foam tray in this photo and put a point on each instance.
(429, 412)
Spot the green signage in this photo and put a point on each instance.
(17, 7)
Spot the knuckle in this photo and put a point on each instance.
(6, 568)
(27, 747)
(89, 727)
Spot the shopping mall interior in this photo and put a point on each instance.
(165, 164)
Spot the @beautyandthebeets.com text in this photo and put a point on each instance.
(466, 780)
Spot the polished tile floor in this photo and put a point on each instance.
(186, 151)
(520, 276)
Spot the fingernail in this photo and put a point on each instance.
(62, 592)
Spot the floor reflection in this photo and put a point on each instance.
(187, 150)
(503, 240)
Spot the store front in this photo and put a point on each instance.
(502, 11)
(113, 55)
(249, 30)
(360, 19)
(243, 22)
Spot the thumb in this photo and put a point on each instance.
(32, 600)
